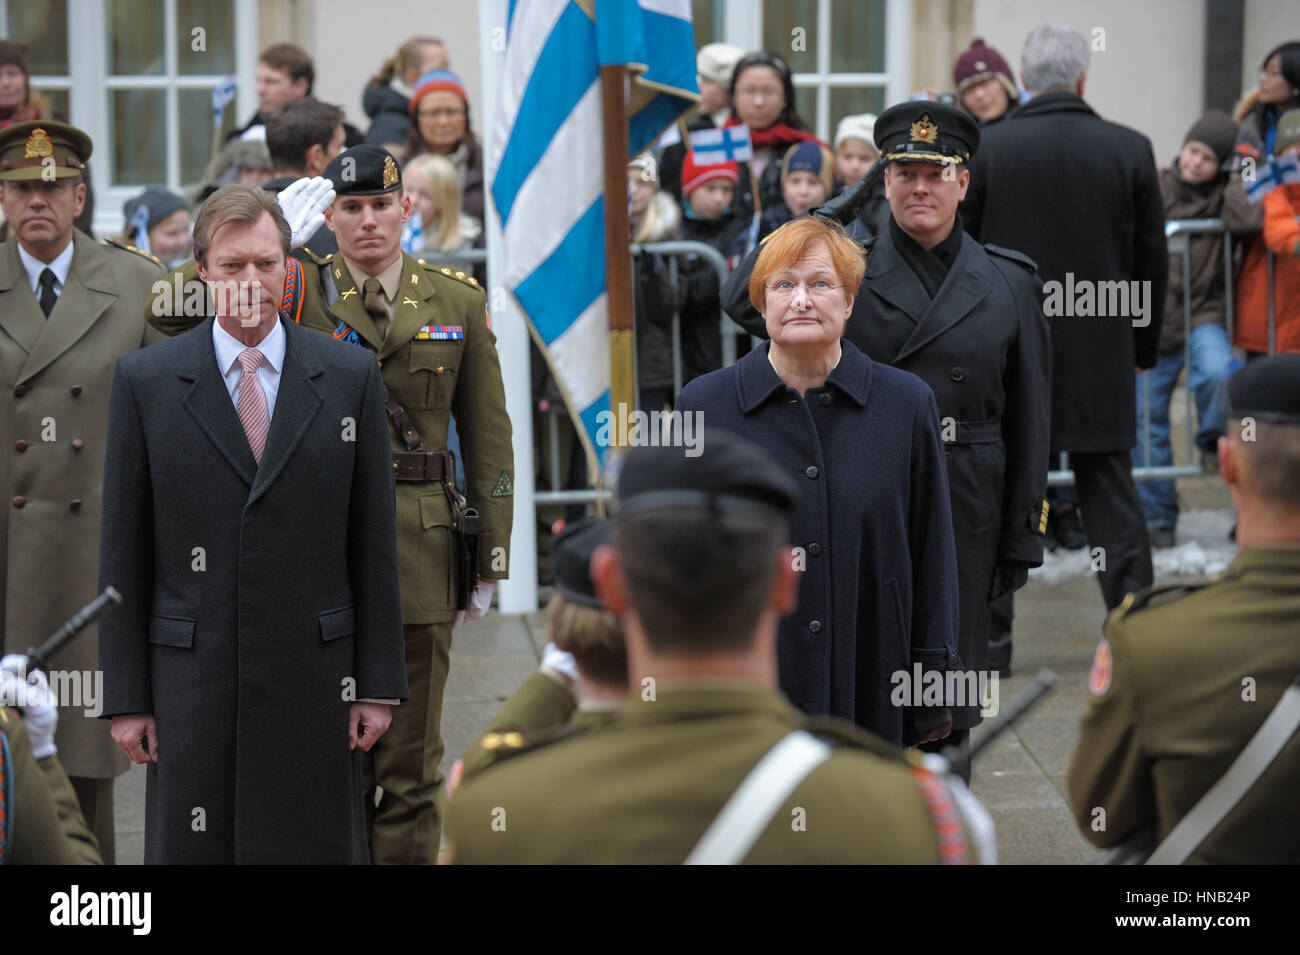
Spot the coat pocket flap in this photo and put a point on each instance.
(337, 623)
(435, 511)
(437, 357)
(171, 631)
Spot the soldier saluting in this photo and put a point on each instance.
(429, 329)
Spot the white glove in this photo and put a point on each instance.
(32, 698)
(303, 203)
(561, 661)
(479, 602)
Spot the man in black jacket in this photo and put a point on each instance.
(1081, 197)
(302, 136)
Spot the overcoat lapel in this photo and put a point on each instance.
(208, 401)
(962, 290)
(89, 292)
(893, 280)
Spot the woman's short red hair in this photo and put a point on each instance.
(788, 244)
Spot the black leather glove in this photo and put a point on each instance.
(1008, 577)
(845, 207)
(924, 723)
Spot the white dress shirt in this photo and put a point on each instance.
(34, 267)
(229, 348)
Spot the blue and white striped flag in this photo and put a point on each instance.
(222, 96)
(1280, 170)
(546, 170)
(140, 223)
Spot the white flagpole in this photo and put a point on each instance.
(517, 594)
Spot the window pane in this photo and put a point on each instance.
(138, 124)
(135, 45)
(216, 18)
(45, 27)
(790, 30)
(196, 132)
(858, 37)
(851, 100)
(702, 14)
(58, 100)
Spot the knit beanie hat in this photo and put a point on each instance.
(436, 80)
(1217, 130)
(159, 202)
(716, 61)
(980, 63)
(808, 156)
(1288, 131)
(13, 53)
(696, 174)
(862, 126)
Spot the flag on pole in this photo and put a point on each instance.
(712, 146)
(546, 170)
(222, 96)
(140, 223)
(1278, 171)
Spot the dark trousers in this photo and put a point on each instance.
(1001, 613)
(1113, 520)
(405, 828)
(95, 797)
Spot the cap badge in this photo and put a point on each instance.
(390, 172)
(924, 130)
(39, 145)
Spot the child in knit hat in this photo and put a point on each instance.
(708, 216)
(1195, 186)
(806, 171)
(985, 86)
(855, 149)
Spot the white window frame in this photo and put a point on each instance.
(89, 89)
(743, 26)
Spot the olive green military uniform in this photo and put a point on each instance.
(646, 787)
(1183, 679)
(432, 378)
(44, 824)
(55, 378)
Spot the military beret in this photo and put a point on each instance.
(364, 170)
(728, 473)
(571, 560)
(28, 149)
(1267, 389)
(926, 132)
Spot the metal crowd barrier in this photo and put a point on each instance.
(1177, 232)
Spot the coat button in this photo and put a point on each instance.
(74, 505)
(957, 374)
(19, 501)
(812, 472)
(20, 390)
(815, 627)
(20, 445)
(76, 391)
(815, 549)
(77, 444)
(824, 400)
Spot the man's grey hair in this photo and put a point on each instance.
(1052, 59)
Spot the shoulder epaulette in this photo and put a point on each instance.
(318, 259)
(1011, 254)
(496, 747)
(1159, 596)
(451, 274)
(117, 244)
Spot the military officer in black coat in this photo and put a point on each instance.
(968, 321)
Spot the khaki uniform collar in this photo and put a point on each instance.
(1280, 556)
(707, 699)
(390, 279)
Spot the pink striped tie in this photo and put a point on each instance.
(252, 403)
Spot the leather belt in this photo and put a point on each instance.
(419, 466)
(977, 432)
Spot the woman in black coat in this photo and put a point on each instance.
(872, 530)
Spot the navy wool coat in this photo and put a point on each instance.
(250, 652)
(879, 588)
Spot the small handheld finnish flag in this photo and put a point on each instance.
(1278, 171)
(413, 234)
(712, 146)
(140, 223)
(222, 96)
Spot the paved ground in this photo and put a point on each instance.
(1019, 777)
